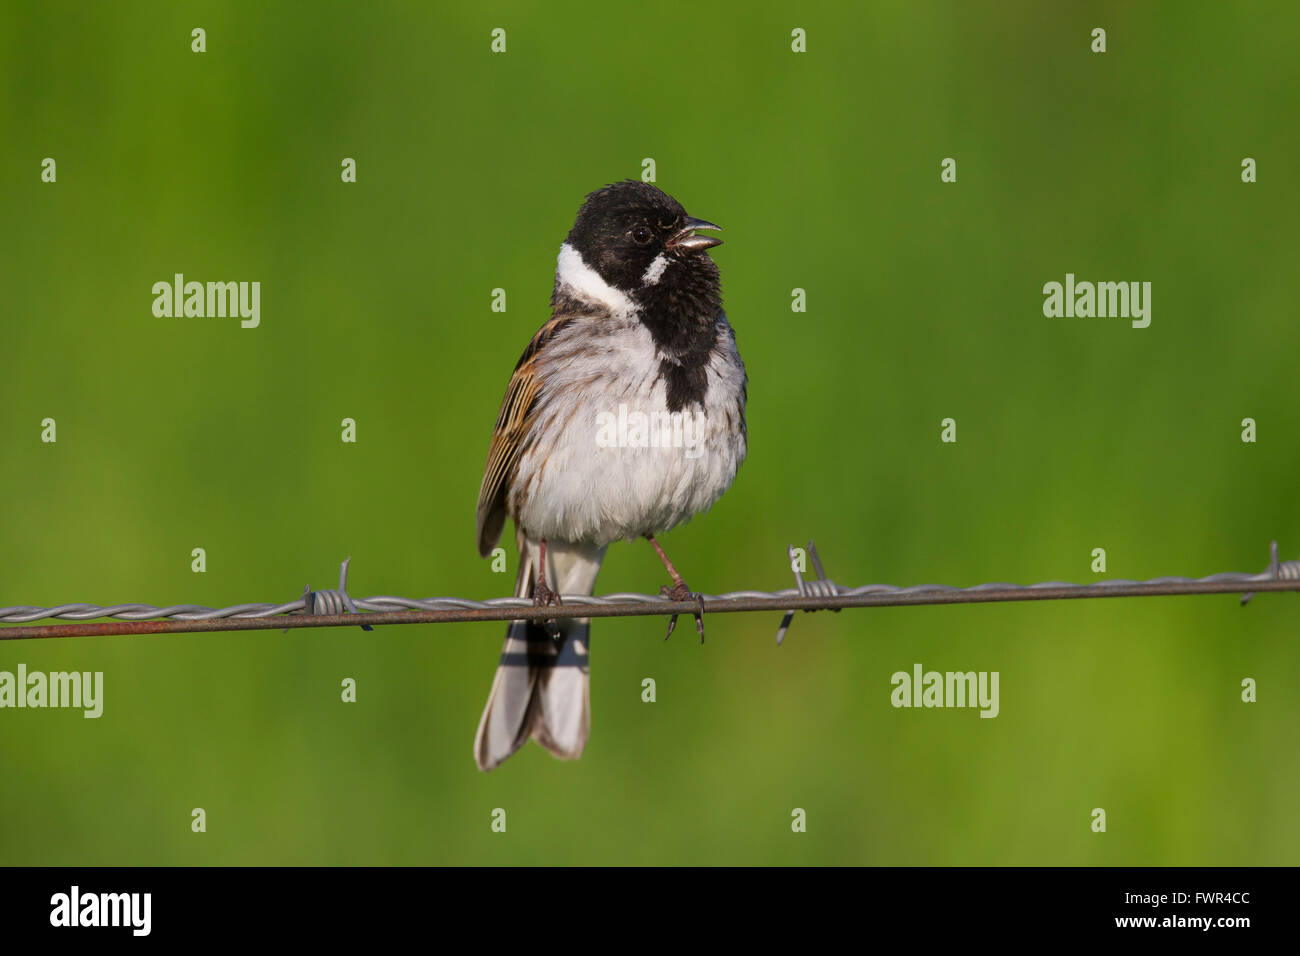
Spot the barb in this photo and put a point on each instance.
(808, 596)
(1276, 571)
(330, 602)
(823, 586)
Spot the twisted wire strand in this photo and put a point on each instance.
(808, 593)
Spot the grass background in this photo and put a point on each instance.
(924, 302)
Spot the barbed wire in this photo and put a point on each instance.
(333, 608)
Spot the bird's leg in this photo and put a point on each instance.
(678, 592)
(543, 596)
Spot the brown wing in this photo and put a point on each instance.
(508, 438)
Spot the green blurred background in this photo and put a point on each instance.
(924, 302)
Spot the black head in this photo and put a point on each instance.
(636, 237)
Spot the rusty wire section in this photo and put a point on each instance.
(335, 608)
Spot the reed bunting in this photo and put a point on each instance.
(625, 416)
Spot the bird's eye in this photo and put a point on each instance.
(641, 235)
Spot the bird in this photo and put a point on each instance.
(624, 417)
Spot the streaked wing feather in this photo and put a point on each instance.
(509, 438)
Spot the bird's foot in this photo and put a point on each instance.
(543, 596)
(680, 592)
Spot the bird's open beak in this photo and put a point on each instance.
(684, 240)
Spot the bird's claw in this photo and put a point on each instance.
(543, 596)
(680, 592)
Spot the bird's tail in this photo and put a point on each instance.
(542, 685)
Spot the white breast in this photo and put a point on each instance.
(590, 473)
